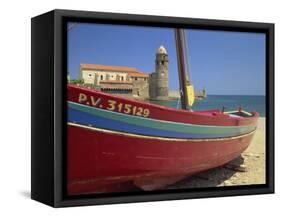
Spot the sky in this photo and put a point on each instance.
(222, 62)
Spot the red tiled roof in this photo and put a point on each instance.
(138, 74)
(133, 72)
(115, 82)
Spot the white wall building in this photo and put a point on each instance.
(94, 74)
(118, 79)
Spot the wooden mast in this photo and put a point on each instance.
(179, 36)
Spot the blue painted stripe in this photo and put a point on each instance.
(161, 124)
(84, 118)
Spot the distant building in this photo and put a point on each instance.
(158, 80)
(115, 79)
(201, 94)
(129, 81)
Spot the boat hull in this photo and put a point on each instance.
(99, 160)
(115, 143)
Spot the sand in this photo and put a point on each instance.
(251, 170)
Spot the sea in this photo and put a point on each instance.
(228, 102)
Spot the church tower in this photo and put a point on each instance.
(159, 89)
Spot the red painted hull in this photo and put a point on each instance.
(99, 160)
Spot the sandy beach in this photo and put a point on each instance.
(248, 169)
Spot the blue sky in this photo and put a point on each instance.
(226, 63)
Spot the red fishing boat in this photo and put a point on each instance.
(114, 140)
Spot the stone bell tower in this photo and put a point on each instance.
(158, 88)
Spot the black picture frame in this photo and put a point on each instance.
(49, 79)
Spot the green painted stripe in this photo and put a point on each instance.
(160, 124)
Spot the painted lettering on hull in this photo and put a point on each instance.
(113, 105)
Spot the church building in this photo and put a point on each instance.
(128, 81)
